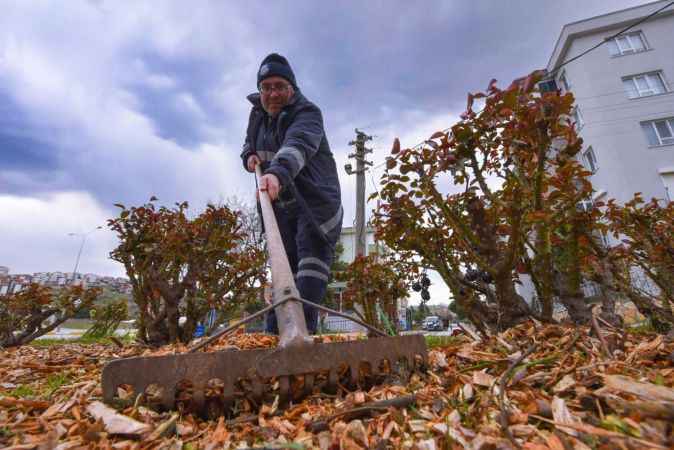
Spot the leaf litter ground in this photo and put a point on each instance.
(533, 387)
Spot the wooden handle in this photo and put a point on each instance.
(290, 316)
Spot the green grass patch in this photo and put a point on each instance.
(22, 391)
(441, 341)
(85, 324)
(55, 381)
(48, 342)
(645, 327)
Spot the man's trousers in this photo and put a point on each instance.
(310, 258)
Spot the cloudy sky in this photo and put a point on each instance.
(107, 101)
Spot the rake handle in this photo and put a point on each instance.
(290, 316)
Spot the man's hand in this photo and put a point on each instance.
(270, 183)
(253, 160)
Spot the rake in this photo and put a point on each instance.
(212, 383)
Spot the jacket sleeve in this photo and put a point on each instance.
(248, 148)
(246, 152)
(301, 142)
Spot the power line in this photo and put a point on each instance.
(374, 185)
(627, 28)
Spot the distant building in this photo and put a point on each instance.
(11, 284)
(348, 240)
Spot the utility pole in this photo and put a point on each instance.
(361, 167)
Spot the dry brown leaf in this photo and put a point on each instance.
(355, 436)
(220, 435)
(390, 427)
(324, 440)
(554, 443)
(561, 414)
(564, 384)
(467, 391)
(426, 444)
(116, 423)
(8, 402)
(648, 391)
(438, 394)
(643, 348)
(482, 378)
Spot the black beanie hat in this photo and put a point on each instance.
(276, 65)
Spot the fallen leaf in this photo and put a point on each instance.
(561, 414)
(482, 378)
(648, 391)
(564, 384)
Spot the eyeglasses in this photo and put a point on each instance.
(281, 88)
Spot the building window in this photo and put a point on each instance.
(578, 118)
(659, 132)
(590, 160)
(627, 43)
(563, 83)
(548, 85)
(644, 85)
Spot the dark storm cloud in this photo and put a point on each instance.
(182, 111)
(362, 55)
(382, 64)
(104, 102)
(23, 145)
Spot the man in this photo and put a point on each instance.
(286, 136)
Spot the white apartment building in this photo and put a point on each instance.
(624, 108)
(348, 240)
(625, 99)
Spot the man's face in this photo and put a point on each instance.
(275, 93)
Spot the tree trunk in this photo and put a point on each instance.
(172, 317)
(192, 315)
(571, 293)
(512, 307)
(157, 332)
(475, 311)
(545, 274)
(602, 276)
(608, 307)
(571, 296)
(575, 305)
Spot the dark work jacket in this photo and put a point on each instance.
(293, 146)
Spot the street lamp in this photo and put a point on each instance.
(79, 253)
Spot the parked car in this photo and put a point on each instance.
(432, 323)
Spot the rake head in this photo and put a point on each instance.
(214, 384)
